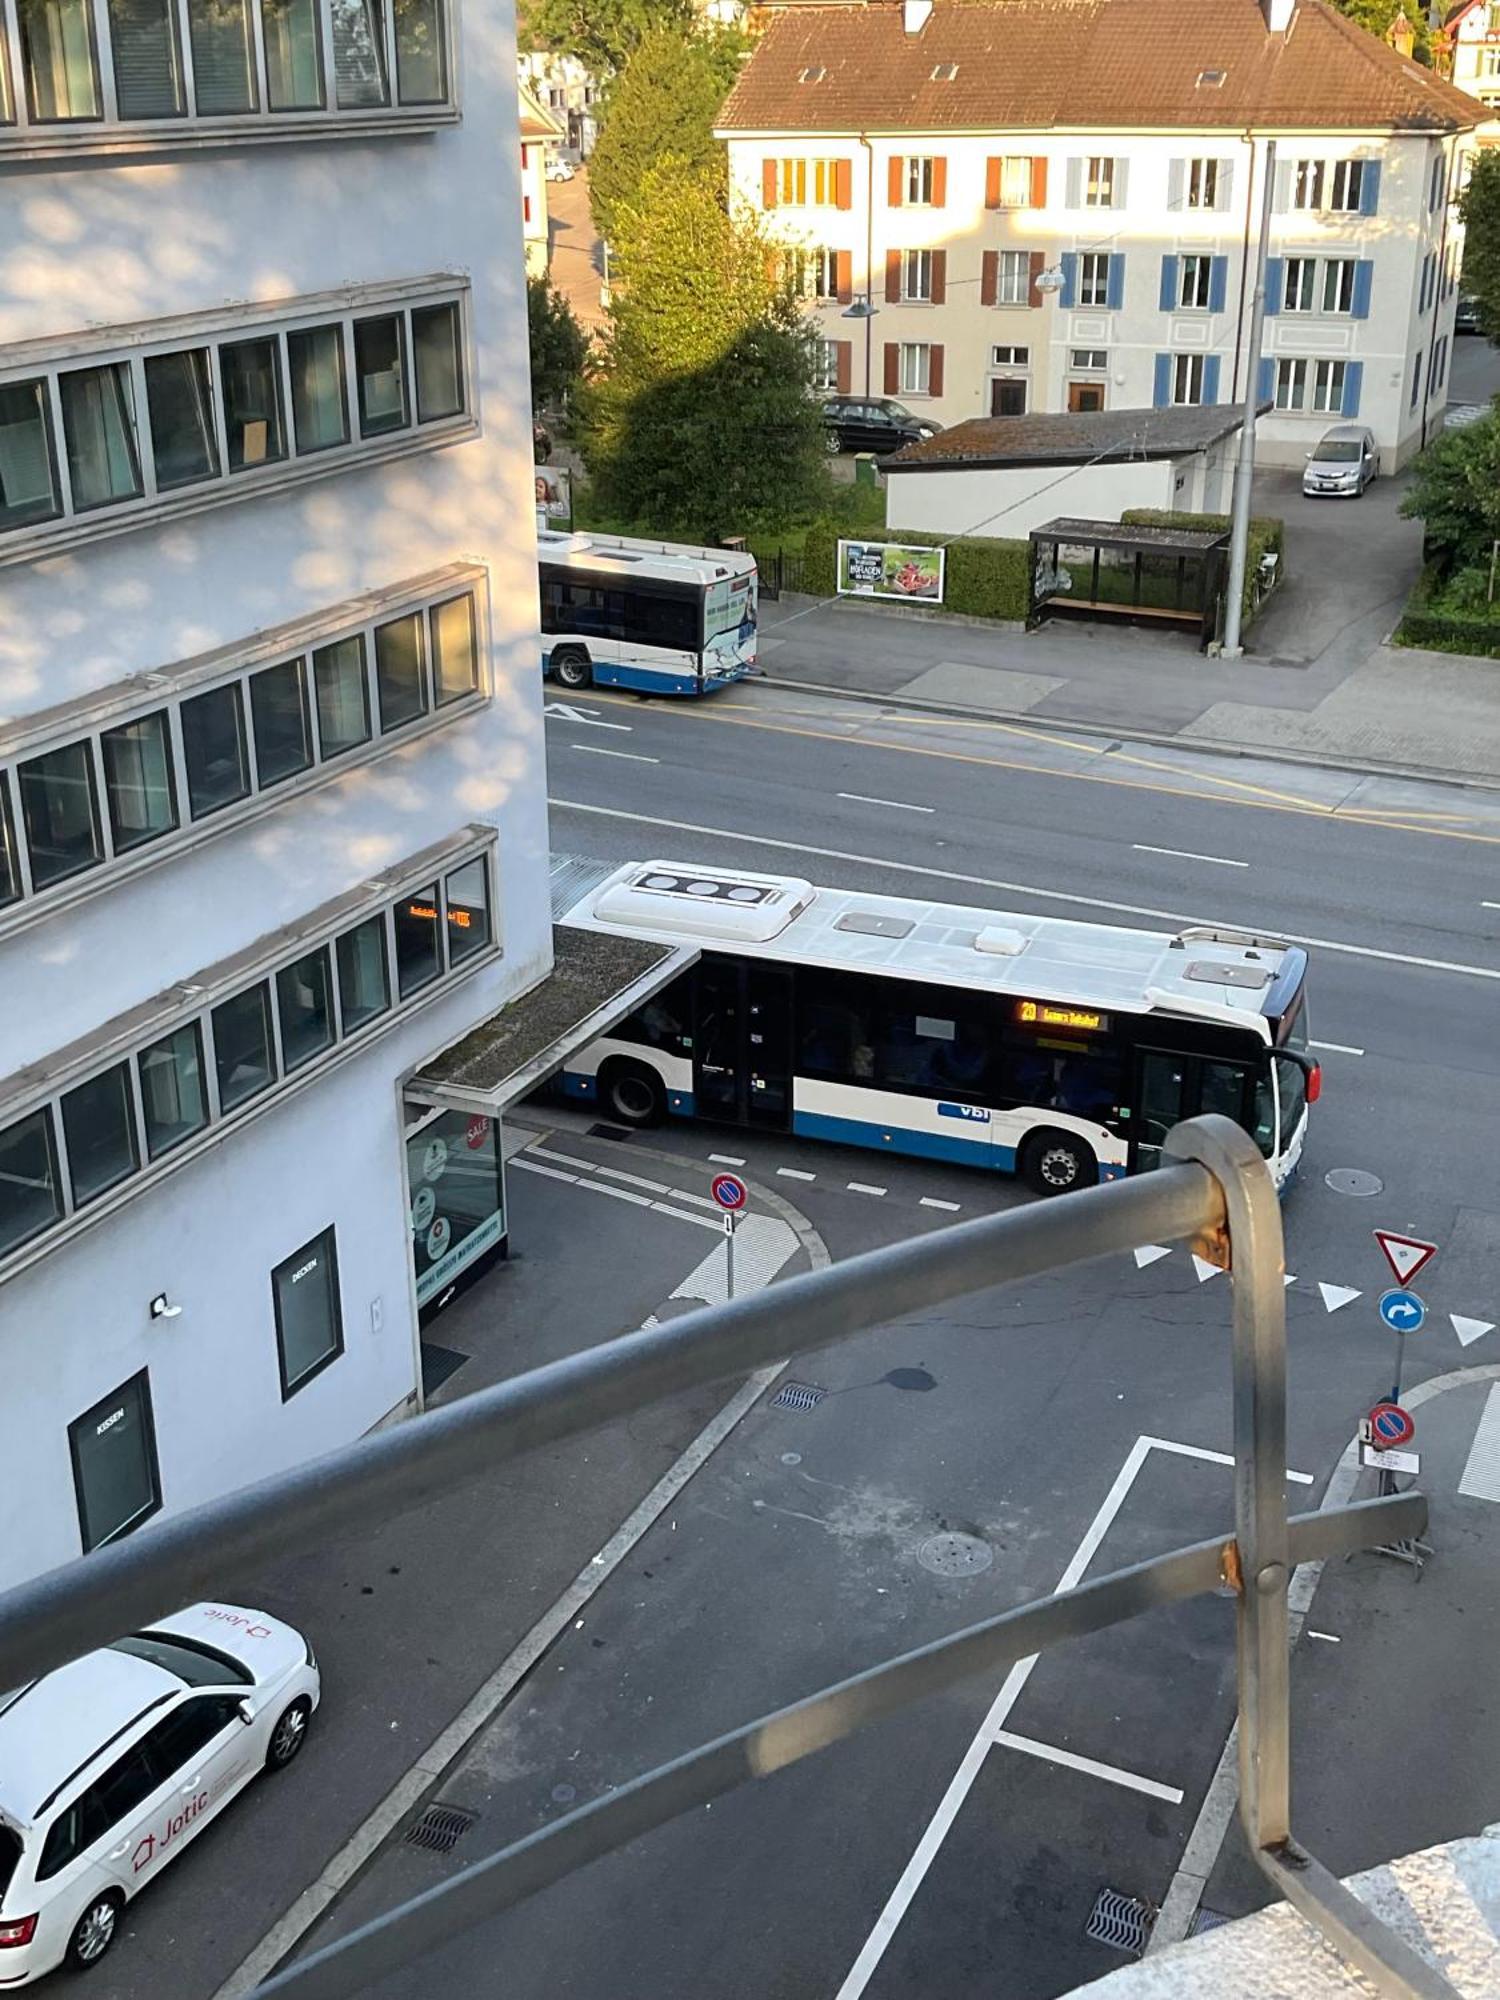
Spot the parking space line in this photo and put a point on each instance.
(1336, 1048)
(622, 1194)
(1219, 1457)
(633, 1180)
(931, 1201)
(726, 1159)
(1050, 1754)
(683, 1214)
(864, 1187)
(795, 1174)
(536, 1167)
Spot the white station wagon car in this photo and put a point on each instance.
(110, 1765)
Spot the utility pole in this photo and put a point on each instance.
(1239, 536)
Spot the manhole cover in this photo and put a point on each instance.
(564, 1795)
(440, 1828)
(955, 1555)
(1207, 1920)
(791, 1458)
(797, 1396)
(610, 1132)
(1120, 1921)
(1353, 1180)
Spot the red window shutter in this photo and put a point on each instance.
(989, 283)
(992, 183)
(939, 276)
(843, 184)
(526, 208)
(939, 181)
(1038, 265)
(934, 371)
(1039, 182)
(892, 368)
(843, 277)
(842, 358)
(893, 277)
(768, 179)
(894, 172)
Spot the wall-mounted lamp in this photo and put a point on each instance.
(161, 1307)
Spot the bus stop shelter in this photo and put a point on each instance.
(1139, 572)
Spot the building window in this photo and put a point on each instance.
(1300, 291)
(1013, 278)
(1099, 184)
(115, 1475)
(1087, 358)
(807, 183)
(141, 428)
(309, 1325)
(916, 368)
(28, 470)
(1416, 380)
(918, 178)
(1328, 387)
(1015, 181)
(1307, 184)
(1194, 284)
(826, 365)
(1291, 384)
(173, 1103)
(142, 49)
(151, 773)
(1439, 366)
(117, 1125)
(916, 277)
(1338, 285)
(1346, 186)
(1203, 183)
(1093, 278)
(1187, 378)
(813, 273)
(1010, 357)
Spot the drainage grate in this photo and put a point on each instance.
(797, 1396)
(954, 1554)
(1207, 1920)
(1120, 1921)
(610, 1132)
(440, 1828)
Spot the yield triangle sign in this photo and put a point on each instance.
(1405, 1254)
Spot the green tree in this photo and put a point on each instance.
(559, 345)
(703, 420)
(664, 101)
(601, 33)
(1479, 206)
(1455, 493)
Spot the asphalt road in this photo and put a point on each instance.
(794, 1556)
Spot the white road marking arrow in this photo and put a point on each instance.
(1335, 1296)
(1287, 1280)
(1204, 1269)
(1150, 1253)
(564, 711)
(1470, 1329)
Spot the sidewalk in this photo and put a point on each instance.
(1316, 681)
(1395, 1699)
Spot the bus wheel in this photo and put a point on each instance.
(571, 669)
(632, 1093)
(1056, 1163)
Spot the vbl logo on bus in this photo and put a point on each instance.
(975, 1113)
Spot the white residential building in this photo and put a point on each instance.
(272, 811)
(541, 134)
(1469, 50)
(565, 87)
(1048, 208)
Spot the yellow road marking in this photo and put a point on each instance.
(1265, 800)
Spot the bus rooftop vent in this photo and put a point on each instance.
(1001, 943)
(1208, 972)
(866, 924)
(705, 888)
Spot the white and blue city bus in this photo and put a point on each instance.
(654, 617)
(1060, 1050)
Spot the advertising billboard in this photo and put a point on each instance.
(893, 570)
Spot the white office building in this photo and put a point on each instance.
(1009, 206)
(272, 802)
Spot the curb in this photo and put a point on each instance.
(1054, 725)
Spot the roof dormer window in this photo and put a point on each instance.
(944, 72)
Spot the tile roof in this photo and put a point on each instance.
(1067, 436)
(1107, 65)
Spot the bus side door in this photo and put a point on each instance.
(1170, 1087)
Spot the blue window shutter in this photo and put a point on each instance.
(1353, 378)
(1369, 188)
(1224, 186)
(1210, 378)
(1275, 283)
(1074, 188)
(1161, 391)
(1121, 182)
(1363, 272)
(1176, 184)
(1114, 283)
(1069, 293)
(1265, 380)
(1168, 284)
(1218, 283)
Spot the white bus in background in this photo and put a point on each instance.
(654, 617)
(1064, 1051)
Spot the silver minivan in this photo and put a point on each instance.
(1343, 462)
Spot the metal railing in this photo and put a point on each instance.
(1213, 1190)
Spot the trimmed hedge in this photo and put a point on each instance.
(1267, 537)
(1424, 623)
(984, 578)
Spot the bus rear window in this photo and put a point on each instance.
(10, 1854)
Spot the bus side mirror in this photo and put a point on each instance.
(1311, 1069)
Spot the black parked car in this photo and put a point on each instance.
(873, 423)
(1466, 316)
